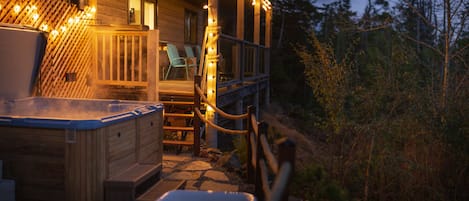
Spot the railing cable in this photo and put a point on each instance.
(218, 110)
(228, 131)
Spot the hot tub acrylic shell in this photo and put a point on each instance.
(62, 156)
(72, 114)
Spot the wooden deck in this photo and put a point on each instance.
(176, 87)
(228, 92)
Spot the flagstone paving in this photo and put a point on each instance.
(199, 173)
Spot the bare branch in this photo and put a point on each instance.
(422, 17)
(424, 44)
(461, 28)
(455, 11)
(460, 51)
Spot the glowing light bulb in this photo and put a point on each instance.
(77, 19)
(70, 20)
(253, 2)
(44, 27)
(89, 15)
(205, 7)
(0, 6)
(17, 8)
(63, 28)
(35, 16)
(210, 34)
(54, 33)
(93, 9)
(33, 7)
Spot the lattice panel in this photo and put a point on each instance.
(69, 48)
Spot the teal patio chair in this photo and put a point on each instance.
(175, 61)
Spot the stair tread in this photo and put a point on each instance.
(166, 114)
(161, 188)
(178, 102)
(178, 128)
(177, 142)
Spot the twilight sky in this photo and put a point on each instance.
(357, 5)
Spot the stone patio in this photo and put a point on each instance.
(199, 173)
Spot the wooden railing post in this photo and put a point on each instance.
(286, 153)
(262, 129)
(250, 166)
(196, 146)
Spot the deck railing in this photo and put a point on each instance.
(241, 60)
(261, 161)
(121, 58)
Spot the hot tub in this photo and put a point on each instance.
(59, 149)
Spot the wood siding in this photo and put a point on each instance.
(112, 12)
(171, 21)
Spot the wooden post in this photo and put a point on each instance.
(286, 153)
(240, 36)
(262, 129)
(212, 65)
(268, 28)
(152, 65)
(196, 146)
(250, 166)
(257, 22)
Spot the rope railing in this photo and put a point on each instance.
(218, 110)
(219, 128)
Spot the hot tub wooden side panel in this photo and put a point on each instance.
(150, 138)
(121, 147)
(34, 158)
(86, 166)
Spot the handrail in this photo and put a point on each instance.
(218, 110)
(228, 131)
(241, 41)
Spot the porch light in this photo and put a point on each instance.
(17, 9)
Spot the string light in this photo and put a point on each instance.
(93, 9)
(205, 7)
(1, 6)
(17, 9)
(70, 20)
(44, 27)
(35, 16)
(63, 28)
(54, 33)
(33, 7)
(253, 2)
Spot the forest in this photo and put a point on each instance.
(383, 94)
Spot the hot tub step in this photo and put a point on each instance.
(161, 188)
(132, 182)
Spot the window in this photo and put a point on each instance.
(190, 27)
(147, 14)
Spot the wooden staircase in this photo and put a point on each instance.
(178, 119)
